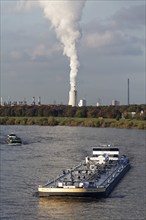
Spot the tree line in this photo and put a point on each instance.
(115, 112)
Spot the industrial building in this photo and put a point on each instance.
(115, 102)
(82, 103)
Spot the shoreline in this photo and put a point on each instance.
(73, 121)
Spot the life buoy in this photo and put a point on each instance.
(92, 167)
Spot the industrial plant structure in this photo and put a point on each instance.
(72, 98)
(82, 103)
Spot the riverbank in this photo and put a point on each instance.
(68, 121)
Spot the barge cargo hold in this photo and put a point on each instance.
(96, 176)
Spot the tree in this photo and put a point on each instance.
(81, 112)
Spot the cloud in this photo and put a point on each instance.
(41, 50)
(99, 39)
(132, 17)
(25, 5)
(38, 52)
(16, 55)
(114, 36)
(113, 42)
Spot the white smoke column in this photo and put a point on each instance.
(65, 16)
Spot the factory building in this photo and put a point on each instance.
(82, 103)
(115, 102)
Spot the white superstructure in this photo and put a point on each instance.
(112, 152)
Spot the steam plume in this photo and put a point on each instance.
(65, 16)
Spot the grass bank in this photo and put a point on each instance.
(67, 121)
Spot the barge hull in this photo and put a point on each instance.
(75, 195)
(116, 181)
(95, 193)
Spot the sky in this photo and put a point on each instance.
(111, 49)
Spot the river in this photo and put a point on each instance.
(46, 151)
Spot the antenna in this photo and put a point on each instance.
(128, 93)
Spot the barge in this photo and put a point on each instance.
(96, 176)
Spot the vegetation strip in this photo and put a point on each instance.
(131, 116)
(83, 122)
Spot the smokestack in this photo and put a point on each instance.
(73, 98)
(128, 101)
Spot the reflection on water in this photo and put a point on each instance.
(67, 208)
(55, 209)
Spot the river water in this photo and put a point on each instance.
(46, 151)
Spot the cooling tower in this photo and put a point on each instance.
(73, 98)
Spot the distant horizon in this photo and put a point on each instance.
(22, 102)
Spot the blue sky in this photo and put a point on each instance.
(111, 50)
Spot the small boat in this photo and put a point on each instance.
(96, 176)
(13, 139)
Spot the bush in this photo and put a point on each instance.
(30, 121)
(52, 121)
